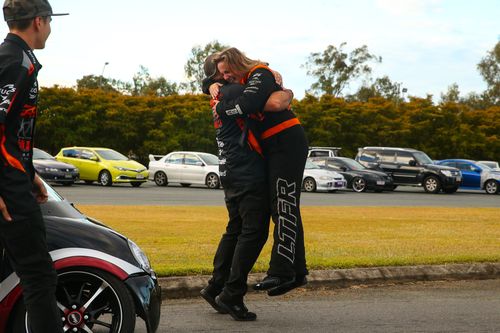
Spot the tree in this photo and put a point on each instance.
(489, 68)
(334, 69)
(382, 87)
(452, 95)
(145, 85)
(194, 66)
(105, 84)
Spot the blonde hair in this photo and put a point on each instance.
(236, 60)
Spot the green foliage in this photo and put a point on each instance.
(158, 125)
(489, 68)
(334, 69)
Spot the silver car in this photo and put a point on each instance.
(317, 179)
(186, 168)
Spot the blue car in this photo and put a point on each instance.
(475, 176)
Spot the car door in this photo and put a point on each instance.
(387, 162)
(89, 165)
(471, 174)
(407, 170)
(174, 167)
(70, 156)
(194, 170)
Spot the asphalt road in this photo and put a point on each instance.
(458, 306)
(150, 194)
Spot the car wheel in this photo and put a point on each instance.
(491, 186)
(105, 178)
(161, 178)
(309, 184)
(432, 184)
(358, 184)
(450, 190)
(136, 184)
(91, 301)
(185, 184)
(212, 181)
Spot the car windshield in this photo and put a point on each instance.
(422, 158)
(353, 165)
(311, 165)
(111, 155)
(209, 159)
(41, 155)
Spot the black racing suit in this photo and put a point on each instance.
(243, 176)
(285, 150)
(24, 238)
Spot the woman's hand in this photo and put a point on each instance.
(214, 89)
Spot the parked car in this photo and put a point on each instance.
(317, 179)
(323, 151)
(358, 177)
(51, 170)
(104, 165)
(491, 164)
(475, 175)
(104, 279)
(185, 167)
(411, 167)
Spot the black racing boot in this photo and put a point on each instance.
(286, 287)
(239, 311)
(270, 282)
(209, 293)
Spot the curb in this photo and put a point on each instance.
(189, 286)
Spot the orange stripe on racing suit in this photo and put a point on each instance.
(280, 127)
(11, 160)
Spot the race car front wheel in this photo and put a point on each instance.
(90, 301)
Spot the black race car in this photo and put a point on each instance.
(105, 280)
(357, 176)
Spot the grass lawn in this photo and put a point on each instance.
(182, 240)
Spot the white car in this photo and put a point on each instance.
(185, 167)
(317, 179)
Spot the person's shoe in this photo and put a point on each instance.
(209, 295)
(299, 281)
(239, 312)
(270, 282)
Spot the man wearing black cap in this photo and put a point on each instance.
(22, 229)
(244, 177)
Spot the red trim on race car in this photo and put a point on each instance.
(7, 305)
(91, 262)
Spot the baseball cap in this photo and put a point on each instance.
(14, 10)
(209, 66)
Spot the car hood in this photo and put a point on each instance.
(126, 164)
(437, 167)
(52, 164)
(321, 173)
(69, 228)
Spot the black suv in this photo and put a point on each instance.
(410, 167)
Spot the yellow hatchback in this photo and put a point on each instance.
(104, 165)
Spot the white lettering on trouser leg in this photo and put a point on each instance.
(287, 221)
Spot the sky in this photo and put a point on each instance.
(426, 45)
